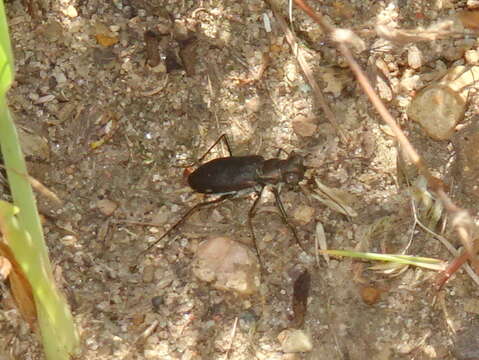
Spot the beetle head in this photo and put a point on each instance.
(293, 170)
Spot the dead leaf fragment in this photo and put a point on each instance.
(469, 19)
(188, 55)
(336, 199)
(335, 81)
(321, 242)
(5, 268)
(106, 40)
(152, 46)
(300, 298)
(20, 287)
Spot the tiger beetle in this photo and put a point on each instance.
(233, 176)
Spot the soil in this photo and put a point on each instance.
(111, 127)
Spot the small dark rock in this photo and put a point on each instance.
(157, 302)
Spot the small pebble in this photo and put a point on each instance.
(228, 265)
(295, 340)
(370, 295)
(472, 57)
(71, 12)
(304, 126)
(303, 214)
(157, 302)
(438, 109)
(291, 72)
(106, 207)
(148, 274)
(60, 77)
(254, 104)
(414, 57)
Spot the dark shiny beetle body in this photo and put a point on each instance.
(234, 173)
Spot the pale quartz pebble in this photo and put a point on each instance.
(472, 57)
(303, 214)
(71, 12)
(227, 265)
(437, 109)
(106, 207)
(414, 57)
(295, 340)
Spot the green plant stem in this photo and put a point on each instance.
(23, 232)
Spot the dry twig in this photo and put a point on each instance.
(298, 52)
(233, 333)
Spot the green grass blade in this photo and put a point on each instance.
(25, 234)
(6, 57)
(427, 263)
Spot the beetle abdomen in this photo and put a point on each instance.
(226, 174)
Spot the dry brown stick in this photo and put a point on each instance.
(37, 185)
(461, 219)
(307, 71)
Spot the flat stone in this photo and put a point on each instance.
(227, 265)
(295, 340)
(437, 109)
(106, 207)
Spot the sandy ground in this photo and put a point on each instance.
(110, 126)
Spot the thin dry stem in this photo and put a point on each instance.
(233, 333)
(308, 73)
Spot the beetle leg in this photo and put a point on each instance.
(225, 140)
(280, 206)
(227, 143)
(185, 216)
(251, 214)
(281, 150)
